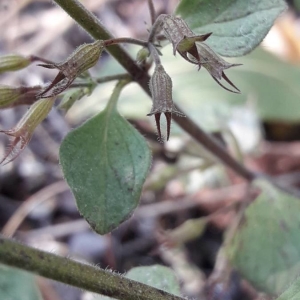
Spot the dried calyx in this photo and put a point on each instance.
(23, 131)
(161, 90)
(193, 49)
(82, 59)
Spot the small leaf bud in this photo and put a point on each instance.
(142, 55)
(13, 62)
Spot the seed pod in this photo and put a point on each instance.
(161, 91)
(82, 59)
(9, 94)
(13, 62)
(23, 131)
(12, 96)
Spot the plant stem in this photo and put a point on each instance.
(94, 27)
(34, 58)
(152, 11)
(127, 40)
(123, 76)
(112, 103)
(155, 27)
(71, 272)
(154, 54)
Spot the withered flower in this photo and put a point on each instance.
(83, 58)
(182, 37)
(214, 64)
(23, 131)
(193, 49)
(161, 90)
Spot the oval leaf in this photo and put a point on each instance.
(105, 162)
(238, 26)
(16, 284)
(266, 246)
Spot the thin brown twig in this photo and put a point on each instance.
(27, 206)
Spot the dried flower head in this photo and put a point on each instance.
(161, 91)
(182, 37)
(214, 64)
(82, 59)
(23, 131)
(193, 49)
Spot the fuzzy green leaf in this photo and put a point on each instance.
(238, 26)
(158, 276)
(105, 162)
(292, 293)
(16, 284)
(266, 246)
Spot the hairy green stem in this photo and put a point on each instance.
(104, 79)
(154, 53)
(155, 27)
(94, 27)
(84, 276)
(112, 103)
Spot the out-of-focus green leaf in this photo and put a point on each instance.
(292, 293)
(17, 285)
(238, 26)
(158, 276)
(266, 246)
(105, 162)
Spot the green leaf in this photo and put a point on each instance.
(238, 26)
(16, 285)
(293, 292)
(105, 162)
(158, 276)
(266, 246)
